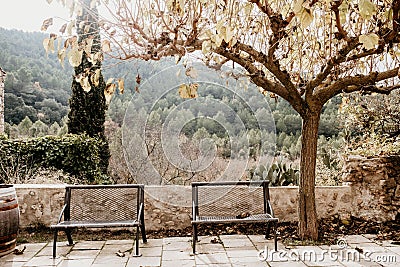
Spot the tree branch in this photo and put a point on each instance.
(258, 77)
(366, 83)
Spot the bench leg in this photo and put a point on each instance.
(268, 230)
(275, 238)
(137, 243)
(143, 230)
(69, 237)
(194, 238)
(55, 243)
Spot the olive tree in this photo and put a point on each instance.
(304, 51)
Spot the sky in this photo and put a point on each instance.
(28, 15)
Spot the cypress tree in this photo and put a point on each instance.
(88, 108)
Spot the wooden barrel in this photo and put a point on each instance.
(9, 219)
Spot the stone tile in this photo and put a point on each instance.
(144, 261)
(113, 249)
(369, 247)
(395, 249)
(248, 261)
(88, 245)
(48, 250)
(76, 263)
(214, 265)
(308, 250)
(214, 258)
(269, 244)
(11, 264)
(286, 264)
(386, 243)
(242, 252)
(152, 243)
(111, 260)
(120, 242)
(356, 239)
(167, 240)
(151, 252)
(169, 255)
(43, 261)
(82, 254)
(361, 263)
(206, 239)
(182, 263)
(370, 236)
(230, 241)
(234, 237)
(259, 238)
(209, 248)
(180, 246)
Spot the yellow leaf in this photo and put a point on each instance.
(75, 57)
(228, 34)
(61, 56)
(248, 7)
(306, 17)
(105, 46)
(367, 9)
(85, 84)
(70, 26)
(63, 28)
(47, 23)
(94, 78)
(369, 41)
(121, 85)
(109, 91)
(206, 47)
(88, 46)
(188, 91)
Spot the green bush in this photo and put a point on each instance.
(78, 155)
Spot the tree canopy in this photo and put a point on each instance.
(305, 51)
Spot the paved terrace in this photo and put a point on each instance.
(234, 250)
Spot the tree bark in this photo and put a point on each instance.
(308, 225)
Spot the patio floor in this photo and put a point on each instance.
(234, 250)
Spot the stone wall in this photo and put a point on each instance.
(169, 207)
(372, 192)
(375, 187)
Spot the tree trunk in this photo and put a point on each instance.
(308, 225)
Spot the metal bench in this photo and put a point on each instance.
(232, 202)
(102, 206)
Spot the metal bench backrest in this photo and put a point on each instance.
(230, 198)
(103, 202)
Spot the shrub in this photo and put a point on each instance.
(78, 155)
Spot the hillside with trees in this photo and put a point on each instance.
(38, 89)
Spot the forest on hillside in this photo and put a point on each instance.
(37, 90)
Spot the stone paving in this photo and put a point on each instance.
(232, 250)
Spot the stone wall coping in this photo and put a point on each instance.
(35, 186)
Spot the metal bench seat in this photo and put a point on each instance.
(96, 224)
(102, 206)
(255, 218)
(232, 202)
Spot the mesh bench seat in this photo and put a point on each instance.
(232, 202)
(102, 206)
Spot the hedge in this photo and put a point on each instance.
(78, 155)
